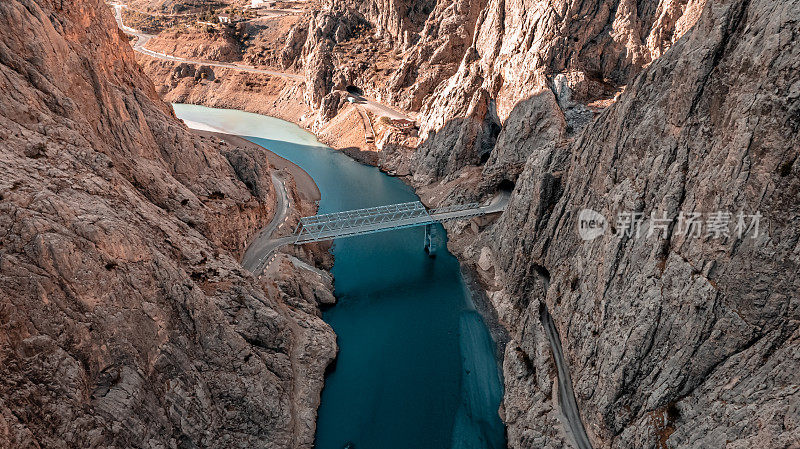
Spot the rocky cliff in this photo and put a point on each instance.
(397, 21)
(464, 66)
(125, 319)
(537, 51)
(686, 337)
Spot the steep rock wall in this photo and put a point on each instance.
(671, 340)
(399, 21)
(125, 319)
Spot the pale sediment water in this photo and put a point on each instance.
(416, 365)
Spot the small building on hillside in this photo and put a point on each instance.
(224, 18)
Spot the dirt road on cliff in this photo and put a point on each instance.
(143, 38)
(260, 250)
(263, 245)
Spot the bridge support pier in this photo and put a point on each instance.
(430, 244)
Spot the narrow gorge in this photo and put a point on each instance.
(641, 286)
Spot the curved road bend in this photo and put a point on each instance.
(258, 252)
(143, 38)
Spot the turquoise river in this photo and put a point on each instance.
(416, 366)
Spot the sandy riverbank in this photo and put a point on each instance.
(273, 96)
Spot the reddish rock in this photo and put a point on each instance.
(125, 319)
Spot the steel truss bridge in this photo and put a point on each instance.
(388, 218)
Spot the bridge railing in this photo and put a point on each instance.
(325, 226)
(381, 218)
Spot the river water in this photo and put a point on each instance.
(416, 366)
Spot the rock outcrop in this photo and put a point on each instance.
(397, 21)
(125, 319)
(322, 32)
(683, 337)
(465, 65)
(443, 41)
(520, 49)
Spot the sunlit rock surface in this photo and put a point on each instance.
(125, 319)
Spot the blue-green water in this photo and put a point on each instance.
(416, 365)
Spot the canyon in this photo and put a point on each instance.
(128, 321)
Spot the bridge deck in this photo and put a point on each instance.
(385, 218)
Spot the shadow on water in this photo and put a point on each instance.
(416, 366)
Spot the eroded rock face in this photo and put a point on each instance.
(519, 47)
(465, 65)
(125, 317)
(672, 341)
(535, 124)
(322, 32)
(398, 21)
(443, 41)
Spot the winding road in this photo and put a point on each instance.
(143, 38)
(259, 251)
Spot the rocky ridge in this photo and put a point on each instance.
(536, 49)
(464, 66)
(125, 317)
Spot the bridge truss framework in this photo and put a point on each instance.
(379, 219)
